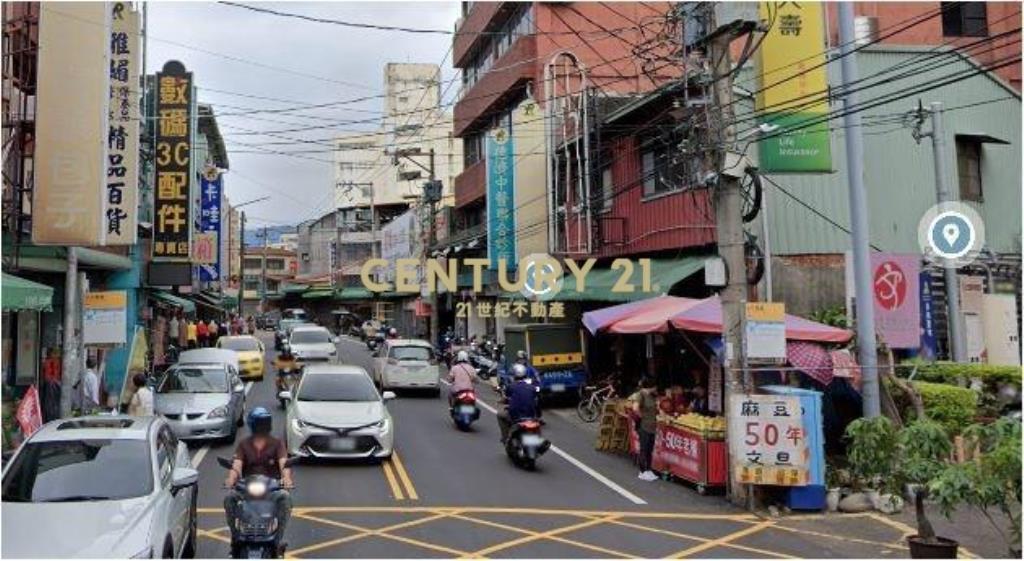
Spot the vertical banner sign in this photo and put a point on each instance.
(929, 342)
(895, 279)
(73, 94)
(123, 135)
(211, 189)
(767, 440)
(766, 330)
(501, 204)
(794, 88)
(172, 213)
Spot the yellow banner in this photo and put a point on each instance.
(766, 311)
(557, 359)
(794, 44)
(109, 300)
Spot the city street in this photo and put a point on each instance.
(452, 494)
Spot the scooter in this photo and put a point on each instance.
(373, 342)
(286, 380)
(464, 409)
(525, 443)
(254, 531)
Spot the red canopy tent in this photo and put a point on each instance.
(706, 317)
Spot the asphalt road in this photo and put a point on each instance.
(447, 493)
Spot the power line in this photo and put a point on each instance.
(336, 22)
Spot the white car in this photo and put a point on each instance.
(103, 486)
(312, 343)
(408, 364)
(336, 412)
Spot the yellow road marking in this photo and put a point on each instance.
(701, 539)
(722, 540)
(212, 535)
(382, 533)
(410, 491)
(396, 490)
(911, 531)
(559, 539)
(542, 535)
(516, 510)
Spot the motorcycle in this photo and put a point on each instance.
(484, 366)
(525, 443)
(376, 341)
(254, 530)
(287, 378)
(464, 409)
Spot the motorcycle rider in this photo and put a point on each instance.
(462, 376)
(520, 402)
(260, 454)
(285, 363)
(531, 372)
(392, 333)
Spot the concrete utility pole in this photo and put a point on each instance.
(71, 364)
(241, 265)
(867, 349)
(263, 274)
(956, 319)
(431, 240)
(728, 203)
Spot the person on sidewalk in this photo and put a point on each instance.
(203, 333)
(173, 329)
(193, 335)
(646, 409)
(142, 402)
(89, 388)
(213, 330)
(182, 333)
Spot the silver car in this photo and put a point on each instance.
(201, 401)
(312, 343)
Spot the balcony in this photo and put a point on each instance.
(471, 184)
(492, 88)
(482, 16)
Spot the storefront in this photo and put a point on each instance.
(23, 301)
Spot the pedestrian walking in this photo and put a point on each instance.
(193, 335)
(212, 329)
(142, 402)
(251, 322)
(88, 388)
(203, 333)
(182, 334)
(646, 408)
(173, 329)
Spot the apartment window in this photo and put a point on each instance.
(650, 175)
(964, 19)
(472, 149)
(968, 163)
(607, 189)
(275, 264)
(662, 170)
(252, 264)
(252, 284)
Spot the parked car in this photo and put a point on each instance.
(407, 363)
(312, 343)
(284, 330)
(109, 487)
(295, 313)
(208, 356)
(250, 354)
(201, 401)
(336, 412)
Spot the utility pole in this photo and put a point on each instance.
(865, 308)
(241, 265)
(433, 195)
(263, 274)
(71, 365)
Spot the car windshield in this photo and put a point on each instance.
(240, 344)
(410, 353)
(296, 314)
(337, 387)
(286, 324)
(194, 380)
(310, 336)
(78, 471)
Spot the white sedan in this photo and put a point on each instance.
(105, 486)
(407, 364)
(336, 412)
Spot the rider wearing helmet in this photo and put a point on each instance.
(392, 333)
(520, 401)
(260, 454)
(524, 360)
(461, 376)
(286, 363)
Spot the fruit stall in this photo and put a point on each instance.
(692, 447)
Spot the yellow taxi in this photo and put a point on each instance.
(250, 355)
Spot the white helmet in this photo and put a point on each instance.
(462, 356)
(519, 371)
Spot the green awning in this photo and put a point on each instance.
(396, 295)
(314, 294)
(186, 306)
(353, 293)
(599, 282)
(294, 288)
(21, 294)
(230, 301)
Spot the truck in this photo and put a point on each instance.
(555, 351)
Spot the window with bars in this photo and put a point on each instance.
(964, 19)
(968, 163)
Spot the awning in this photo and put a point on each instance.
(53, 259)
(353, 293)
(294, 288)
(600, 282)
(186, 305)
(316, 294)
(21, 294)
(606, 318)
(707, 317)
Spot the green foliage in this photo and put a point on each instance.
(834, 316)
(991, 375)
(952, 407)
(871, 450)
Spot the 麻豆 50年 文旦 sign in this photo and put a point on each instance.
(767, 440)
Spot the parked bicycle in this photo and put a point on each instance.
(593, 399)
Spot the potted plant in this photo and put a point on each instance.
(992, 482)
(905, 460)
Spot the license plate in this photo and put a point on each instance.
(467, 409)
(342, 444)
(532, 440)
(558, 388)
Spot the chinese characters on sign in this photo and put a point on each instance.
(501, 204)
(172, 217)
(518, 308)
(210, 188)
(767, 440)
(123, 132)
(766, 330)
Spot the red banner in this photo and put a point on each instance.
(678, 452)
(29, 415)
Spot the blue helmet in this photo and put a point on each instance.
(260, 420)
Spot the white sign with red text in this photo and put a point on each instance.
(767, 440)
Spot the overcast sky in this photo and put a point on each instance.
(235, 50)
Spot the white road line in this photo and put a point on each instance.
(198, 458)
(582, 466)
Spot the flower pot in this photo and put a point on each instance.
(943, 548)
(832, 499)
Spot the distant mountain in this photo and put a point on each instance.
(254, 234)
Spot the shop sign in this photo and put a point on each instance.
(501, 200)
(929, 342)
(794, 87)
(204, 249)
(210, 195)
(399, 240)
(895, 278)
(105, 318)
(715, 386)
(27, 360)
(29, 414)
(123, 131)
(766, 330)
(172, 215)
(677, 451)
(767, 440)
(73, 84)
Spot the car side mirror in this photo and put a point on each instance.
(239, 387)
(388, 396)
(285, 395)
(184, 477)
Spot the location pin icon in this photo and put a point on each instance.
(951, 232)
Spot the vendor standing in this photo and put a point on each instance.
(645, 406)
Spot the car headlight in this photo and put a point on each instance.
(143, 554)
(383, 425)
(218, 412)
(333, 351)
(298, 425)
(256, 489)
